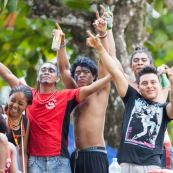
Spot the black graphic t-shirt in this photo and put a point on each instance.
(144, 125)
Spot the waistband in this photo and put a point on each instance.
(97, 149)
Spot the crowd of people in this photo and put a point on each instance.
(40, 134)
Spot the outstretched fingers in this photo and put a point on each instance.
(89, 34)
(57, 25)
(92, 41)
(89, 41)
(103, 8)
(97, 15)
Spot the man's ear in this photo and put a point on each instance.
(138, 87)
(37, 79)
(152, 65)
(94, 78)
(57, 79)
(131, 67)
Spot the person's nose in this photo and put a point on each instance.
(140, 61)
(46, 71)
(82, 74)
(149, 85)
(15, 105)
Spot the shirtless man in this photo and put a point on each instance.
(90, 155)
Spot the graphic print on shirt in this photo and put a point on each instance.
(144, 124)
(50, 104)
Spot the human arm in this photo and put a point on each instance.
(13, 167)
(25, 143)
(8, 76)
(169, 107)
(110, 39)
(3, 151)
(111, 66)
(64, 65)
(112, 47)
(85, 91)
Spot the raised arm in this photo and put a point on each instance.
(8, 76)
(85, 91)
(110, 39)
(111, 66)
(169, 107)
(100, 26)
(64, 65)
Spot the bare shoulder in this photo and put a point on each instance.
(12, 147)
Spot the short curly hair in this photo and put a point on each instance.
(84, 62)
(142, 50)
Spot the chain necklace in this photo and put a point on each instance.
(43, 101)
(15, 125)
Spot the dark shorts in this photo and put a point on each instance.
(89, 160)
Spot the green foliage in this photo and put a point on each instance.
(3, 4)
(10, 5)
(158, 5)
(28, 42)
(76, 4)
(161, 39)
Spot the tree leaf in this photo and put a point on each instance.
(158, 5)
(76, 4)
(12, 6)
(3, 4)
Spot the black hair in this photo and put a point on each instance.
(26, 90)
(22, 88)
(84, 62)
(146, 70)
(142, 50)
(3, 125)
(38, 83)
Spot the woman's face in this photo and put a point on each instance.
(17, 104)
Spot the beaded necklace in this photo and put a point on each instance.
(43, 101)
(13, 126)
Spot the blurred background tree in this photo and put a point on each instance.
(25, 40)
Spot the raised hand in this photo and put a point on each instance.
(62, 34)
(170, 74)
(100, 24)
(165, 69)
(93, 41)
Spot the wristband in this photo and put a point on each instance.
(103, 36)
(63, 45)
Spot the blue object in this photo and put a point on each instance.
(111, 151)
